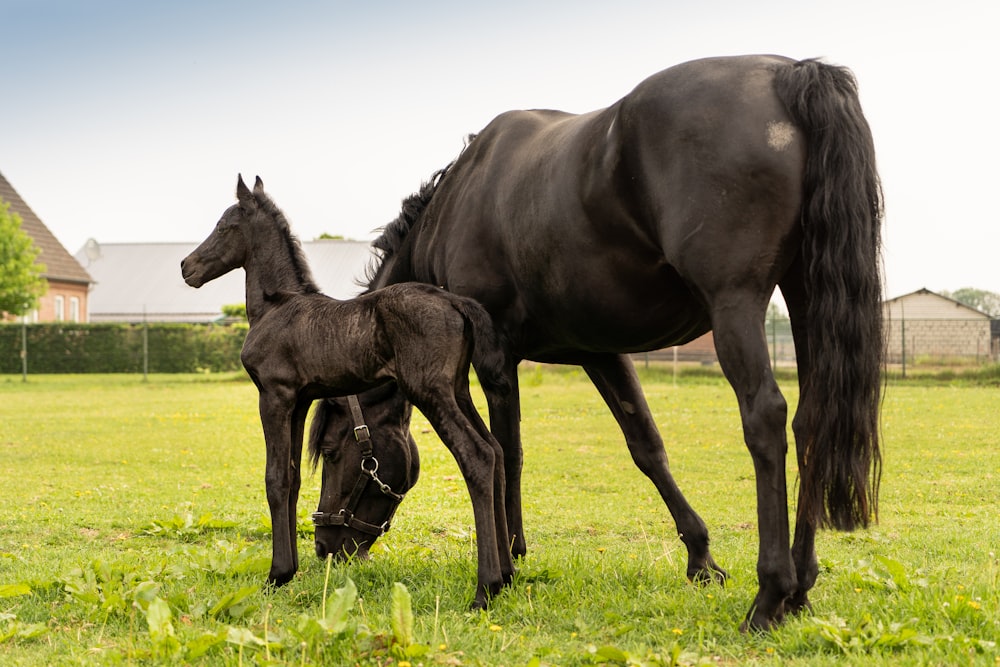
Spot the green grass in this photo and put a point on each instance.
(133, 530)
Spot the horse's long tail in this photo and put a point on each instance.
(841, 252)
(488, 357)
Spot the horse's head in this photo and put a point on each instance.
(227, 246)
(367, 467)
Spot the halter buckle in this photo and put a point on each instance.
(361, 433)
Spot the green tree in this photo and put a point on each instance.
(21, 282)
(980, 299)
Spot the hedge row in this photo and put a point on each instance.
(118, 348)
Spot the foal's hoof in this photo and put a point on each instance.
(278, 579)
(486, 593)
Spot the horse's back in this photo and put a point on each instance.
(604, 231)
(717, 163)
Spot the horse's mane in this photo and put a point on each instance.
(300, 264)
(394, 234)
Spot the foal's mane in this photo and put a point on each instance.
(394, 234)
(299, 264)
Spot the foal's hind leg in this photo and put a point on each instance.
(468, 408)
(477, 460)
(615, 378)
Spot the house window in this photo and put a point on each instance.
(74, 309)
(58, 305)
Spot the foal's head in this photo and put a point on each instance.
(355, 507)
(253, 227)
(227, 247)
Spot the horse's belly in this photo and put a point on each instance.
(612, 320)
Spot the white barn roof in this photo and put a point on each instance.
(133, 281)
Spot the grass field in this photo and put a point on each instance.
(133, 530)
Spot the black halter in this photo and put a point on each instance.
(369, 473)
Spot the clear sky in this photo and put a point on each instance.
(128, 120)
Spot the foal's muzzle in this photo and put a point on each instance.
(189, 271)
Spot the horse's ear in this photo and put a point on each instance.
(243, 193)
(258, 186)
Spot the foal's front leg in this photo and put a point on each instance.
(280, 479)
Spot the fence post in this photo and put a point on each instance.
(902, 343)
(675, 365)
(774, 343)
(24, 348)
(145, 346)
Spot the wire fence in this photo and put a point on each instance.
(910, 343)
(166, 348)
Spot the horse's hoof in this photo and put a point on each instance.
(798, 603)
(709, 573)
(759, 622)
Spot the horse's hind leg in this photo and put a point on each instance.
(804, 544)
(738, 324)
(615, 378)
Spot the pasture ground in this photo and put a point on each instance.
(133, 530)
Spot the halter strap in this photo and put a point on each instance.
(369, 473)
(361, 432)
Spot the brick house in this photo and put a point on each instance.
(68, 282)
(926, 324)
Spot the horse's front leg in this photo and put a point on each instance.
(615, 379)
(505, 424)
(280, 478)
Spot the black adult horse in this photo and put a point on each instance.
(303, 345)
(675, 211)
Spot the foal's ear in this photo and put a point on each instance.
(243, 193)
(258, 186)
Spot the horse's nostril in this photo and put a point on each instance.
(321, 550)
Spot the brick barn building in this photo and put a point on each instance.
(924, 324)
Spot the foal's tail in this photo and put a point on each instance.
(841, 251)
(488, 356)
